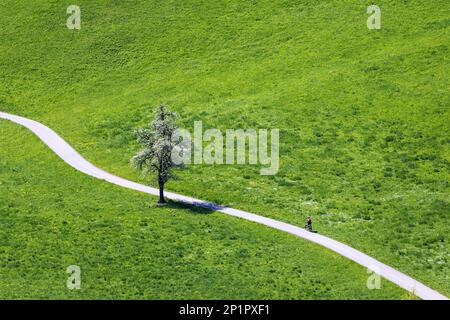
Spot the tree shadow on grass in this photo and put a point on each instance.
(196, 208)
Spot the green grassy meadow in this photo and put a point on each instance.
(363, 118)
(129, 248)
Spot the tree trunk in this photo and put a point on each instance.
(161, 192)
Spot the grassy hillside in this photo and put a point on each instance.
(363, 114)
(53, 216)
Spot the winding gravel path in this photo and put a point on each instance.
(73, 158)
